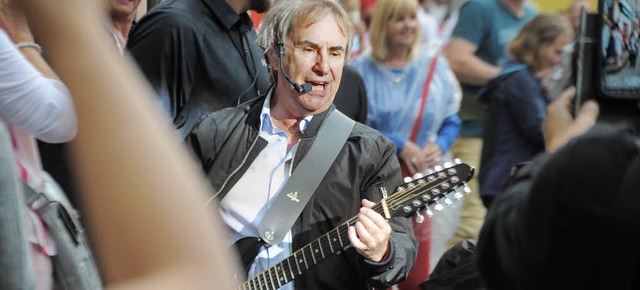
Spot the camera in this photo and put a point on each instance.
(605, 64)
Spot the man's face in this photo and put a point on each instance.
(314, 55)
(123, 8)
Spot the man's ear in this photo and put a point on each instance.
(272, 54)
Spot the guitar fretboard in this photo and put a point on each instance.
(302, 260)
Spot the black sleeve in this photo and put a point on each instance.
(164, 46)
(351, 98)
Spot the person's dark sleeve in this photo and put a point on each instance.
(199, 142)
(361, 95)
(403, 244)
(165, 49)
(351, 98)
(527, 104)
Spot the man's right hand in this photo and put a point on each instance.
(560, 126)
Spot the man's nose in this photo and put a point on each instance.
(321, 66)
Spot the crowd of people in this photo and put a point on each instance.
(189, 129)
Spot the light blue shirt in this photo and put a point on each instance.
(394, 98)
(248, 201)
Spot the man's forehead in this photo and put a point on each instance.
(320, 34)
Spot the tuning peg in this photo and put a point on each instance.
(429, 212)
(448, 201)
(457, 195)
(417, 176)
(457, 161)
(438, 207)
(407, 179)
(437, 168)
(448, 164)
(419, 217)
(466, 189)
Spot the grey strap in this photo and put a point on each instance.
(295, 194)
(16, 272)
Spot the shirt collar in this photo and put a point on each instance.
(227, 15)
(266, 126)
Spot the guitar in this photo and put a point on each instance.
(427, 192)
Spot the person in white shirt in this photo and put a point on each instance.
(34, 103)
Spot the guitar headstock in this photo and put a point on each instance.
(437, 188)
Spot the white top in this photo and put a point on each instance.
(32, 105)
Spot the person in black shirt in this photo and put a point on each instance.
(351, 98)
(200, 56)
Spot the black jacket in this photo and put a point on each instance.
(226, 143)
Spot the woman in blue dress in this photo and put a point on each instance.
(395, 71)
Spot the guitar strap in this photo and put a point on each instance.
(301, 185)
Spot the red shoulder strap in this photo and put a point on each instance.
(423, 102)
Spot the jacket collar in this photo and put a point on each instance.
(254, 108)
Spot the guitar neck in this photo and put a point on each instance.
(302, 260)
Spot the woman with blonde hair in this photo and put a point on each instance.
(518, 101)
(413, 99)
(396, 71)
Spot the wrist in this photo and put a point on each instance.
(386, 254)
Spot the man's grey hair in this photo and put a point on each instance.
(281, 20)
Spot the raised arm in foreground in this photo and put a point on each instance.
(142, 195)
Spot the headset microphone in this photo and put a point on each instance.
(304, 88)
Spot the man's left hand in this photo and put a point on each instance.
(370, 234)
